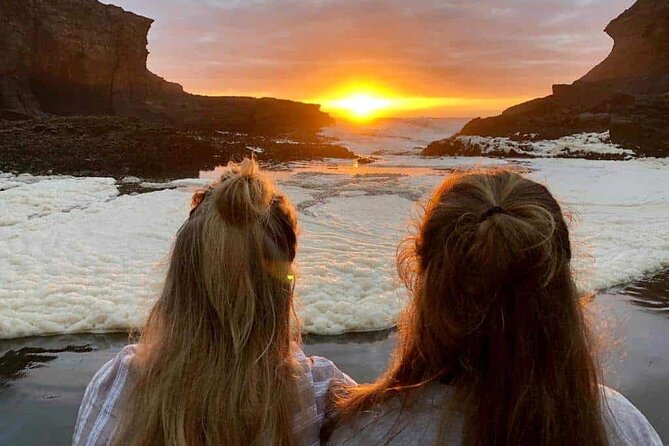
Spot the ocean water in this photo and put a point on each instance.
(78, 256)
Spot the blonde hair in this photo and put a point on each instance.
(215, 363)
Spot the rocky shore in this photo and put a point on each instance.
(594, 146)
(625, 97)
(76, 98)
(120, 146)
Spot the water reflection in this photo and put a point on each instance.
(365, 337)
(20, 356)
(14, 364)
(651, 293)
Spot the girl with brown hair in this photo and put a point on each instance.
(218, 362)
(493, 348)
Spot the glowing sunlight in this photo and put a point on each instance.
(365, 102)
(359, 106)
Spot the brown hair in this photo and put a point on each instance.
(495, 314)
(215, 364)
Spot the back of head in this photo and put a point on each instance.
(215, 364)
(486, 232)
(496, 315)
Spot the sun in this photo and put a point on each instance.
(359, 106)
(364, 101)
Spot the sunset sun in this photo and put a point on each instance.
(369, 100)
(360, 105)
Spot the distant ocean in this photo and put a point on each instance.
(393, 135)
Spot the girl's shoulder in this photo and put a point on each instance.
(320, 375)
(625, 424)
(322, 370)
(409, 418)
(392, 423)
(98, 413)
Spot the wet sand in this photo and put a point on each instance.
(42, 379)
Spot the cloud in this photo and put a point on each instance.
(297, 49)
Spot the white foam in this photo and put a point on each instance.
(131, 180)
(186, 182)
(392, 135)
(581, 143)
(621, 229)
(76, 257)
(346, 265)
(90, 269)
(26, 196)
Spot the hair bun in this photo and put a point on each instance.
(248, 168)
(243, 195)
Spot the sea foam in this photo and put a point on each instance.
(77, 257)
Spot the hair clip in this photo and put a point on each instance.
(492, 211)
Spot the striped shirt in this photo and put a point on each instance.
(100, 410)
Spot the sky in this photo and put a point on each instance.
(454, 58)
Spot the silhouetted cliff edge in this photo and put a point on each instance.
(81, 57)
(626, 95)
(76, 98)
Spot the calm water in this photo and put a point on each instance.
(42, 379)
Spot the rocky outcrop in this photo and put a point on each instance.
(641, 46)
(626, 95)
(118, 146)
(594, 146)
(81, 57)
(72, 57)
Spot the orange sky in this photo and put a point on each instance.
(461, 58)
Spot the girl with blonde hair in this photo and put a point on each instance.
(218, 362)
(493, 346)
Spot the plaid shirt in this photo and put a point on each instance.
(101, 407)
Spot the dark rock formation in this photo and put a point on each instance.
(641, 45)
(119, 146)
(80, 57)
(593, 146)
(626, 94)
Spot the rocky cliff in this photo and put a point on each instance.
(626, 95)
(641, 45)
(81, 57)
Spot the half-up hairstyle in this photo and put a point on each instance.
(494, 314)
(215, 364)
